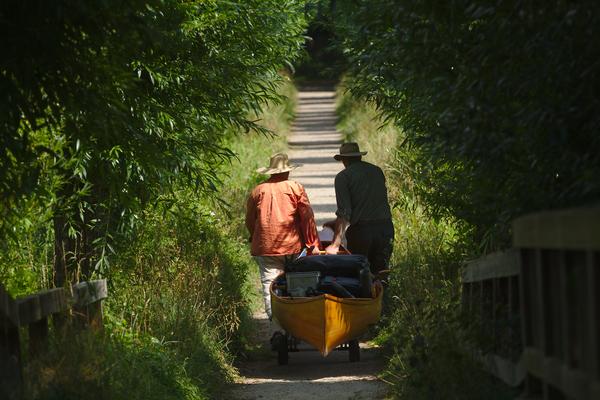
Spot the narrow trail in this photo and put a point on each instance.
(308, 375)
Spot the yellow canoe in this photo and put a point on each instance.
(327, 321)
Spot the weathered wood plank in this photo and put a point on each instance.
(85, 293)
(40, 305)
(53, 301)
(537, 311)
(95, 319)
(511, 373)
(4, 301)
(569, 229)
(33, 311)
(495, 265)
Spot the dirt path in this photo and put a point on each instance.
(308, 375)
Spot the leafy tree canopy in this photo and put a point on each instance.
(107, 105)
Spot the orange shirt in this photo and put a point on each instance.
(280, 219)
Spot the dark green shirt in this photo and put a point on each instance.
(361, 194)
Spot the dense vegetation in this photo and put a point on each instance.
(497, 100)
(121, 125)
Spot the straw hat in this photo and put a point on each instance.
(349, 150)
(278, 164)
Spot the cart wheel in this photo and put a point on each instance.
(282, 350)
(354, 350)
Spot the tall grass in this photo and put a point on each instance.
(421, 332)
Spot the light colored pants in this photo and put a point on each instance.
(270, 267)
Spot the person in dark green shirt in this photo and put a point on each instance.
(363, 211)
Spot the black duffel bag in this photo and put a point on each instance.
(350, 287)
(343, 265)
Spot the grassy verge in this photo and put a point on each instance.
(421, 333)
(182, 289)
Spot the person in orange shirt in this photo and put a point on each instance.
(280, 221)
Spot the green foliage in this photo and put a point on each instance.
(180, 265)
(496, 100)
(321, 59)
(26, 258)
(360, 122)
(177, 310)
(117, 103)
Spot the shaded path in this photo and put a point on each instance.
(308, 375)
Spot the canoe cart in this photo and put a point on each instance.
(326, 301)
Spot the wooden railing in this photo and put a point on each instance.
(538, 305)
(491, 298)
(83, 301)
(560, 274)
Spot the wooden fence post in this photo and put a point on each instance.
(11, 377)
(88, 298)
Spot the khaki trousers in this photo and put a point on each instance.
(270, 267)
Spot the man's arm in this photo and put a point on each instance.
(339, 227)
(307, 221)
(343, 213)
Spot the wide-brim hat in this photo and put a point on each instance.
(278, 164)
(349, 150)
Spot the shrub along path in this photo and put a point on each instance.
(308, 375)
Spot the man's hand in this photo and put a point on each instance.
(339, 226)
(332, 249)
